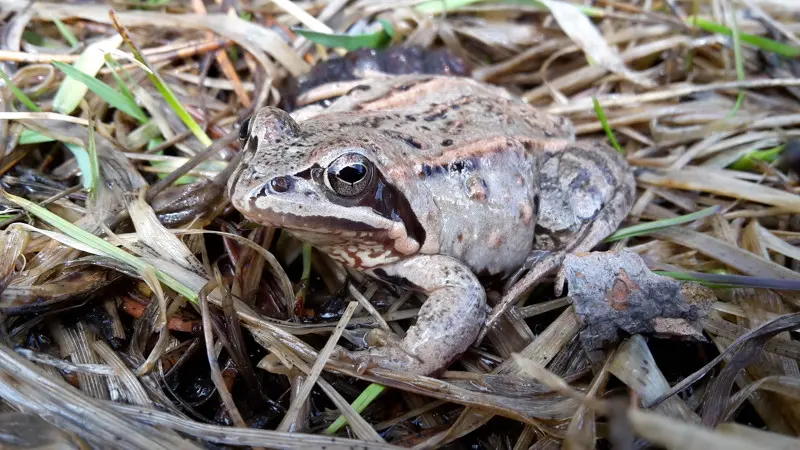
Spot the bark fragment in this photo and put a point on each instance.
(615, 295)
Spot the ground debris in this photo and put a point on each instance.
(615, 294)
(104, 340)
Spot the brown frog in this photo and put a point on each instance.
(429, 182)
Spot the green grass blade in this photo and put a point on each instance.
(732, 281)
(307, 251)
(97, 243)
(72, 91)
(387, 27)
(104, 91)
(94, 165)
(183, 114)
(34, 38)
(745, 163)
(66, 33)
(376, 40)
(370, 393)
(17, 92)
(649, 227)
(606, 127)
(116, 69)
(739, 63)
(163, 89)
(32, 137)
(300, 295)
(440, 6)
(84, 163)
(760, 42)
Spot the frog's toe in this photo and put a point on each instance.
(387, 357)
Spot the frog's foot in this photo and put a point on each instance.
(390, 357)
(447, 324)
(385, 351)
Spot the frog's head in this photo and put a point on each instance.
(323, 186)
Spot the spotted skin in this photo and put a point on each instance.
(453, 178)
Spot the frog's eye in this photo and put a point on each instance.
(349, 175)
(244, 130)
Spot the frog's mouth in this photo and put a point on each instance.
(354, 243)
(332, 227)
(314, 224)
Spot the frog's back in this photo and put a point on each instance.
(483, 172)
(464, 153)
(445, 115)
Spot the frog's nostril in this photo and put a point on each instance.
(280, 184)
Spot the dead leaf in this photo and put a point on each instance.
(583, 32)
(615, 293)
(721, 182)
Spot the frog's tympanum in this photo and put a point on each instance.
(429, 182)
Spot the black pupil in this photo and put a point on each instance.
(352, 174)
(244, 129)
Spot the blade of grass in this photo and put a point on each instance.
(689, 64)
(170, 165)
(367, 396)
(17, 92)
(104, 91)
(745, 163)
(738, 62)
(760, 42)
(97, 243)
(116, 69)
(94, 165)
(160, 85)
(34, 38)
(31, 137)
(377, 40)
(66, 33)
(84, 163)
(649, 227)
(732, 281)
(604, 122)
(440, 6)
(72, 91)
(300, 296)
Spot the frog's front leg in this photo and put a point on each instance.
(447, 324)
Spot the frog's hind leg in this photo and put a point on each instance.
(447, 323)
(607, 221)
(583, 164)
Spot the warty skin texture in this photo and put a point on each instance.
(429, 182)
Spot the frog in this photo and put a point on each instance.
(431, 183)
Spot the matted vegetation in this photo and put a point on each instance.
(139, 311)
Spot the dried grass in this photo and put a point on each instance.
(116, 367)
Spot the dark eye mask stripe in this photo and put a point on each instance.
(389, 202)
(382, 197)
